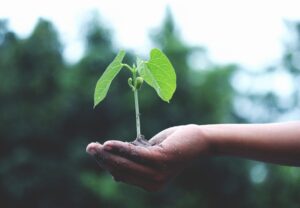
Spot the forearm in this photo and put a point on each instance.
(276, 143)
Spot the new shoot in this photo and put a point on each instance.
(157, 72)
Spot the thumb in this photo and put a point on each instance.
(161, 136)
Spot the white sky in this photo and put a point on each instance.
(247, 32)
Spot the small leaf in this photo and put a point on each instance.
(159, 73)
(105, 80)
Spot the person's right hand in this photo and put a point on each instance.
(152, 167)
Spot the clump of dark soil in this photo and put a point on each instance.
(141, 141)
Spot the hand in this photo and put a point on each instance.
(152, 167)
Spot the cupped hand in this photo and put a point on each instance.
(152, 167)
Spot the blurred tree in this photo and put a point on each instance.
(291, 62)
(281, 184)
(33, 148)
(272, 95)
(79, 82)
(272, 92)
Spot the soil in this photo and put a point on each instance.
(141, 141)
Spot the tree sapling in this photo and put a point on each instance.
(157, 72)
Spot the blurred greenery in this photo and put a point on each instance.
(47, 119)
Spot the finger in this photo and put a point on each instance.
(150, 156)
(125, 170)
(124, 167)
(93, 147)
(158, 138)
(129, 172)
(137, 176)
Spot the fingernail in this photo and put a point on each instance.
(91, 151)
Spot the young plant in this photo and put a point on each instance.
(157, 72)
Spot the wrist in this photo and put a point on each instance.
(210, 135)
(204, 142)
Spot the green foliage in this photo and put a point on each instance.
(105, 80)
(159, 73)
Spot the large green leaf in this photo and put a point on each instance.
(105, 80)
(159, 73)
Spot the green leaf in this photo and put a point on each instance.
(159, 73)
(105, 80)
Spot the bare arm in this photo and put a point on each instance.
(172, 149)
(276, 143)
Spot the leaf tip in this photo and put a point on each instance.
(122, 53)
(94, 105)
(96, 102)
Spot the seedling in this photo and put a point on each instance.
(157, 72)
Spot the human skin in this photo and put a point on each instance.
(174, 148)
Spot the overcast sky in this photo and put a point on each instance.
(247, 32)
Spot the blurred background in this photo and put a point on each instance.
(236, 62)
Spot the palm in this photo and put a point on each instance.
(150, 167)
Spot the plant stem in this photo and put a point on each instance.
(136, 105)
(137, 114)
(128, 67)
